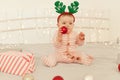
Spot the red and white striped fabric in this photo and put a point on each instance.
(17, 63)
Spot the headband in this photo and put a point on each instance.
(60, 7)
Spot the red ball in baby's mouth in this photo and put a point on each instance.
(64, 29)
(57, 78)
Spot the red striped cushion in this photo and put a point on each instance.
(16, 63)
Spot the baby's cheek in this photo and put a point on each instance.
(70, 28)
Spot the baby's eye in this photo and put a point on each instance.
(70, 23)
(63, 23)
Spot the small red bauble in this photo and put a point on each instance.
(57, 78)
(64, 30)
(119, 67)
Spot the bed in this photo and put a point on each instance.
(104, 66)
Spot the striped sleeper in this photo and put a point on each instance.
(68, 46)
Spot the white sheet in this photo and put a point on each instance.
(104, 66)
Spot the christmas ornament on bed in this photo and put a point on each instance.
(118, 61)
(88, 77)
(119, 67)
(28, 77)
(57, 78)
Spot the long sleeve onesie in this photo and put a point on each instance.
(66, 51)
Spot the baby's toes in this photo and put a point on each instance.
(90, 57)
(87, 61)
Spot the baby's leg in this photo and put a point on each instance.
(49, 60)
(64, 58)
(86, 59)
(82, 58)
(75, 57)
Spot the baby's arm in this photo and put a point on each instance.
(58, 39)
(80, 38)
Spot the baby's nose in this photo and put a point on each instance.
(67, 26)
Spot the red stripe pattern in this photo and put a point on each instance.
(17, 63)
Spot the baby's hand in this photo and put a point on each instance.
(82, 36)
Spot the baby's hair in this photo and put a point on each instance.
(66, 14)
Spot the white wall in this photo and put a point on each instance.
(11, 9)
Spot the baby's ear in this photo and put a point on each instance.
(57, 24)
(73, 24)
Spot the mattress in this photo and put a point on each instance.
(104, 66)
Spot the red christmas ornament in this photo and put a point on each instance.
(57, 78)
(119, 67)
(64, 30)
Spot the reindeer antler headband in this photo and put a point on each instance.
(60, 7)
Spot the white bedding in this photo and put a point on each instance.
(104, 66)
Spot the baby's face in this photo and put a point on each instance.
(67, 21)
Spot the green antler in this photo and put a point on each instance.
(60, 8)
(73, 7)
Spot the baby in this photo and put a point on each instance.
(66, 44)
